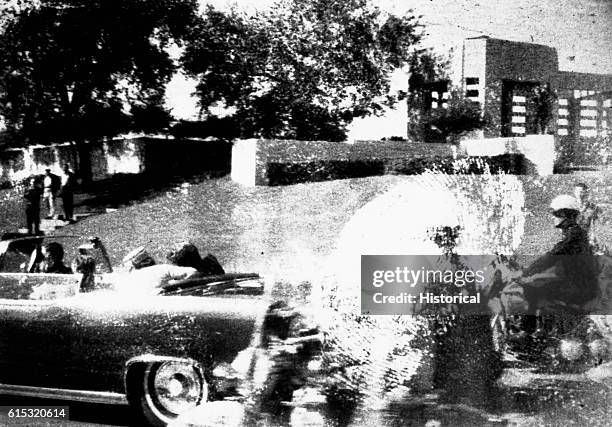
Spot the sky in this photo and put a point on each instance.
(580, 30)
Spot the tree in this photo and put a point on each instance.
(544, 100)
(459, 117)
(75, 70)
(432, 118)
(304, 69)
(428, 71)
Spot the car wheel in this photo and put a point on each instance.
(167, 390)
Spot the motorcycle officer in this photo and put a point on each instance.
(567, 273)
(563, 280)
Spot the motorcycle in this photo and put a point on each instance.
(554, 334)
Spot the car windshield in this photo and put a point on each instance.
(25, 254)
(15, 254)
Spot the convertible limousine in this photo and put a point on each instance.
(162, 354)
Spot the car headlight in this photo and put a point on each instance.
(177, 387)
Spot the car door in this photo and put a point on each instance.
(34, 331)
(110, 328)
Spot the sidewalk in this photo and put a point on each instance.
(96, 198)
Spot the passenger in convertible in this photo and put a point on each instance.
(145, 273)
(186, 254)
(53, 260)
(85, 264)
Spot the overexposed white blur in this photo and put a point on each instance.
(489, 209)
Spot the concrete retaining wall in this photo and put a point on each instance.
(253, 161)
(252, 158)
(107, 158)
(539, 150)
(159, 156)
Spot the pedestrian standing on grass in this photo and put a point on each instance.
(32, 195)
(51, 185)
(589, 211)
(68, 184)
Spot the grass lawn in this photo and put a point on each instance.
(289, 232)
(272, 230)
(286, 231)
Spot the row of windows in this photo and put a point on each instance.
(592, 121)
(440, 95)
(471, 88)
(588, 133)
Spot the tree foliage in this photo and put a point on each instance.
(450, 118)
(425, 68)
(303, 69)
(80, 69)
(543, 103)
(458, 118)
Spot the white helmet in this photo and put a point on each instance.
(565, 202)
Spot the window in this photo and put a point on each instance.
(433, 93)
(472, 81)
(472, 93)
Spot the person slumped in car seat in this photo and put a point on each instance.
(86, 265)
(145, 274)
(186, 254)
(53, 260)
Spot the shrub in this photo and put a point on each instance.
(225, 128)
(324, 170)
(448, 124)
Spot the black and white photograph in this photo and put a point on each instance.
(305, 213)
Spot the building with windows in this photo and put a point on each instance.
(522, 91)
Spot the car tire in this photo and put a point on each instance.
(148, 408)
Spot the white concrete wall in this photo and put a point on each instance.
(539, 150)
(474, 65)
(128, 162)
(244, 161)
(19, 163)
(104, 161)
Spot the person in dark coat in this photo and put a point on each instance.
(186, 254)
(32, 196)
(85, 264)
(53, 261)
(570, 262)
(466, 365)
(68, 180)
